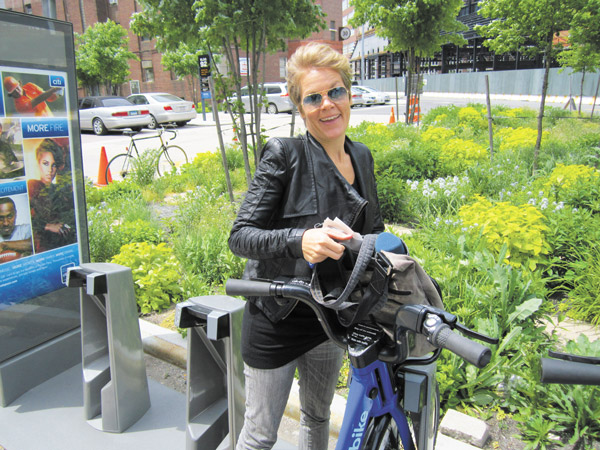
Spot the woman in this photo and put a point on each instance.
(299, 183)
(52, 208)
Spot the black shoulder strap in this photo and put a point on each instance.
(362, 262)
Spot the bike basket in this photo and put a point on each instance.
(372, 286)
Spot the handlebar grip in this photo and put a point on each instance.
(569, 372)
(250, 288)
(471, 351)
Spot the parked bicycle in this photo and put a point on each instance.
(389, 390)
(168, 158)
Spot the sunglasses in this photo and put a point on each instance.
(336, 95)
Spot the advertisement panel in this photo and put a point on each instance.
(43, 228)
(38, 239)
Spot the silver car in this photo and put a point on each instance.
(165, 108)
(378, 98)
(357, 97)
(278, 99)
(101, 114)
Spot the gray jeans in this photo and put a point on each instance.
(267, 393)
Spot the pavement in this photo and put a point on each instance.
(457, 431)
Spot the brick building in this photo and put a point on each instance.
(148, 75)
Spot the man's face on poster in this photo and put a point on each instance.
(8, 217)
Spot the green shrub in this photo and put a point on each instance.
(392, 194)
(103, 241)
(95, 195)
(139, 231)
(201, 230)
(145, 167)
(583, 300)
(156, 274)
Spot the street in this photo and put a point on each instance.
(200, 135)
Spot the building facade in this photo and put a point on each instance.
(147, 74)
(371, 60)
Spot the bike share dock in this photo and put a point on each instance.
(107, 401)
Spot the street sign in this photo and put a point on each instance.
(204, 64)
(205, 94)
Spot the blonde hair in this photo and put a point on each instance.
(311, 55)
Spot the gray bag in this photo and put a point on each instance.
(378, 284)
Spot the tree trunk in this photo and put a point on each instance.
(538, 141)
(581, 91)
(411, 67)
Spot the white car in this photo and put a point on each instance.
(357, 97)
(103, 113)
(165, 108)
(277, 98)
(378, 98)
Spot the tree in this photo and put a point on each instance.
(183, 61)
(102, 57)
(528, 27)
(417, 27)
(234, 28)
(581, 58)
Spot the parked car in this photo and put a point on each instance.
(165, 108)
(103, 113)
(379, 98)
(357, 98)
(278, 99)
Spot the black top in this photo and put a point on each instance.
(268, 345)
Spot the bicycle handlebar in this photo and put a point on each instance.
(438, 331)
(570, 369)
(473, 352)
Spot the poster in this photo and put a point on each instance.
(38, 238)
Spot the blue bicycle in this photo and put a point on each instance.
(389, 391)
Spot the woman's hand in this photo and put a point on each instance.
(318, 244)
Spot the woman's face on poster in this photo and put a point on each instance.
(47, 167)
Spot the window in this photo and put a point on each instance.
(332, 33)
(282, 67)
(149, 74)
(49, 9)
(27, 8)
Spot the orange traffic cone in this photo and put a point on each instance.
(392, 116)
(104, 177)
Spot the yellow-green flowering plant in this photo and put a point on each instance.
(515, 138)
(437, 135)
(458, 154)
(520, 228)
(472, 117)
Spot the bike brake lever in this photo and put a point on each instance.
(475, 335)
(574, 358)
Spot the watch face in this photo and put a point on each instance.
(345, 33)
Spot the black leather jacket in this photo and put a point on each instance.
(297, 186)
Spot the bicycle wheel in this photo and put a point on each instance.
(171, 159)
(382, 434)
(120, 167)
